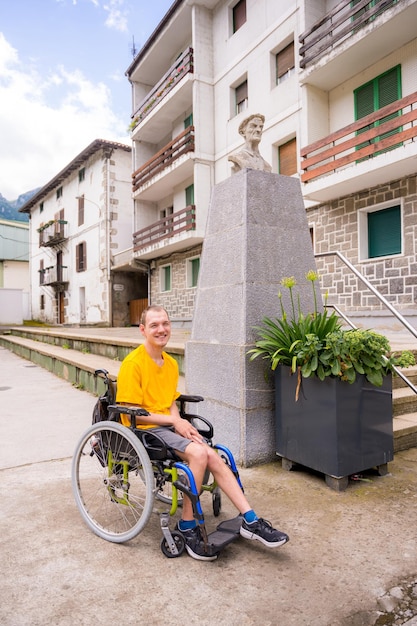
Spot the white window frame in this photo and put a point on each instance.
(162, 277)
(363, 251)
(189, 271)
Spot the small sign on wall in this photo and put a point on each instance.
(118, 287)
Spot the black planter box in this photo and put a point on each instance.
(334, 428)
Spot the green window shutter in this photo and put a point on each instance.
(381, 91)
(195, 268)
(364, 101)
(384, 232)
(188, 121)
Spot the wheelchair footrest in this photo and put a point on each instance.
(225, 533)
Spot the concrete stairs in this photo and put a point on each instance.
(75, 353)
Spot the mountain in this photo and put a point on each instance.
(9, 209)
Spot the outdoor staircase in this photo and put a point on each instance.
(74, 355)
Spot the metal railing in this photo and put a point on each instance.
(380, 297)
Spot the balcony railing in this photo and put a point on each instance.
(345, 20)
(366, 138)
(169, 226)
(52, 233)
(51, 276)
(182, 66)
(165, 157)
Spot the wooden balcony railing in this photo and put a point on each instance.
(385, 129)
(336, 26)
(169, 226)
(165, 157)
(182, 66)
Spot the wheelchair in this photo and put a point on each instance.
(118, 471)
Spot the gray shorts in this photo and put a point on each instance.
(170, 437)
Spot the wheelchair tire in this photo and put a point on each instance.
(179, 544)
(217, 502)
(112, 481)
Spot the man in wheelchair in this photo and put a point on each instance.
(148, 378)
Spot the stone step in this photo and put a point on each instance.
(410, 373)
(404, 400)
(77, 366)
(405, 431)
(72, 365)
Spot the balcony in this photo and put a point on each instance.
(52, 233)
(374, 149)
(176, 74)
(162, 161)
(165, 229)
(56, 277)
(349, 39)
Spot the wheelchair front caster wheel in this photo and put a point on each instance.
(217, 503)
(179, 544)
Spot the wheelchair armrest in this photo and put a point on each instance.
(205, 431)
(185, 398)
(154, 445)
(133, 411)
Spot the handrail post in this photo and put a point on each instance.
(376, 293)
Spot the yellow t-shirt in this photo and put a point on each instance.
(141, 381)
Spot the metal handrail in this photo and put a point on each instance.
(385, 302)
(394, 367)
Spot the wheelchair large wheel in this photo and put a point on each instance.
(113, 482)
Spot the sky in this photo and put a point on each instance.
(62, 81)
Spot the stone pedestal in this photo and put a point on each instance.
(257, 233)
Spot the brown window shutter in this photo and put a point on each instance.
(287, 156)
(242, 92)
(285, 60)
(239, 15)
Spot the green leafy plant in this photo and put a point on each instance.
(314, 344)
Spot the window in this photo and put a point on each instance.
(239, 15)
(380, 231)
(81, 257)
(42, 302)
(81, 175)
(284, 63)
(379, 92)
(241, 97)
(188, 121)
(41, 272)
(193, 269)
(59, 193)
(41, 207)
(165, 278)
(189, 195)
(80, 210)
(287, 158)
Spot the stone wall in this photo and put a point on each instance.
(336, 226)
(179, 302)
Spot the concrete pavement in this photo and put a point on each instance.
(346, 550)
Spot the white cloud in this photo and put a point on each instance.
(117, 18)
(46, 121)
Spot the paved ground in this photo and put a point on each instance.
(346, 549)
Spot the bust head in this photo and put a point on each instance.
(251, 127)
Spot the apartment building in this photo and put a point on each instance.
(79, 222)
(336, 82)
